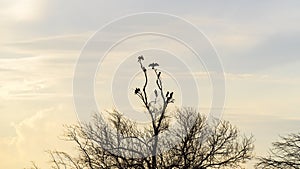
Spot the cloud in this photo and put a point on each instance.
(52, 44)
(22, 10)
(275, 50)
(40, 42)
(266, 127)
(37, 77)
(35, 135)
(245, 76)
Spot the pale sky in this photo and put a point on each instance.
(257, 42)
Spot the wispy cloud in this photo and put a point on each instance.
(22, 10)
(71, 43)
(36, 134)
(41, 41)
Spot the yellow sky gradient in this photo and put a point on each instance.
(41, 42)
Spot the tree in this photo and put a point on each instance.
(192, 143)
(284, 154)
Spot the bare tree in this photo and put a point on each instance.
(205, 145)
(99, 145)
(283, 155)
(158, 115)
(192, 142)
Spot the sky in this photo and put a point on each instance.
(41, 41)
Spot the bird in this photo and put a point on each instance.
(137, 90)
(171, 95)
(158, 74)
(153, 65)
(140, 58)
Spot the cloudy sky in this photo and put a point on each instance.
(257, 42)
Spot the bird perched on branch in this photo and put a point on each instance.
(137, 90)
(140, 58)
(153, 65)
(158, 75)
(171, 95)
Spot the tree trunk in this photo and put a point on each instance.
(154, 150)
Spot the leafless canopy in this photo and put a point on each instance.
(204, 146)
(119, 143)
(284, 154)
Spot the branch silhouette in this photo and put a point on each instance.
(120, 143)
(283, 154)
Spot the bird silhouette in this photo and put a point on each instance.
(171, 95)
(137, 90)
(158, 74)
(153, 65)
(140, 58)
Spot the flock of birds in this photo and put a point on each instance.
(169, 95)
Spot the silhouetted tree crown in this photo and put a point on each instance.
(284, 154)
(119, 143)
